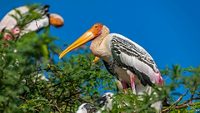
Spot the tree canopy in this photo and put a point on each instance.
(33, 80)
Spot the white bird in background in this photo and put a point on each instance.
(86, 108)
(9, 23)
(10, 30)
(104, 103)
(128, 61)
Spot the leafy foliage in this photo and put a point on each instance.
(32, 80)
(68, 83)
(33, 14)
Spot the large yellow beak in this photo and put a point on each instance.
(86, 37)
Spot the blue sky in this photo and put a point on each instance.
(169, 30)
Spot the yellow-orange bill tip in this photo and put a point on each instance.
(96, 59)
(79, 42)
(60, 56)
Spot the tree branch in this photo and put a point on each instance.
(184, 105)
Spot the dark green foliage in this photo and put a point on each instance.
(74, 80)
(70, 82)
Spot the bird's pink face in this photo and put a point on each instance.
(92, 33)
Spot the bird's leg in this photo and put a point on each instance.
(132, 78)
(124, 85)
(119, 85)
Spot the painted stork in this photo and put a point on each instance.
(128, 61)
(10, 30)
(9, 23)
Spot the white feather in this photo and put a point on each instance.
(36, 25)
(81, 108)
(8, 21)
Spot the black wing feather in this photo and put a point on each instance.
(118, 46)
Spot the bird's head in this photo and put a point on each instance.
(95, 31)
(56, 20)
